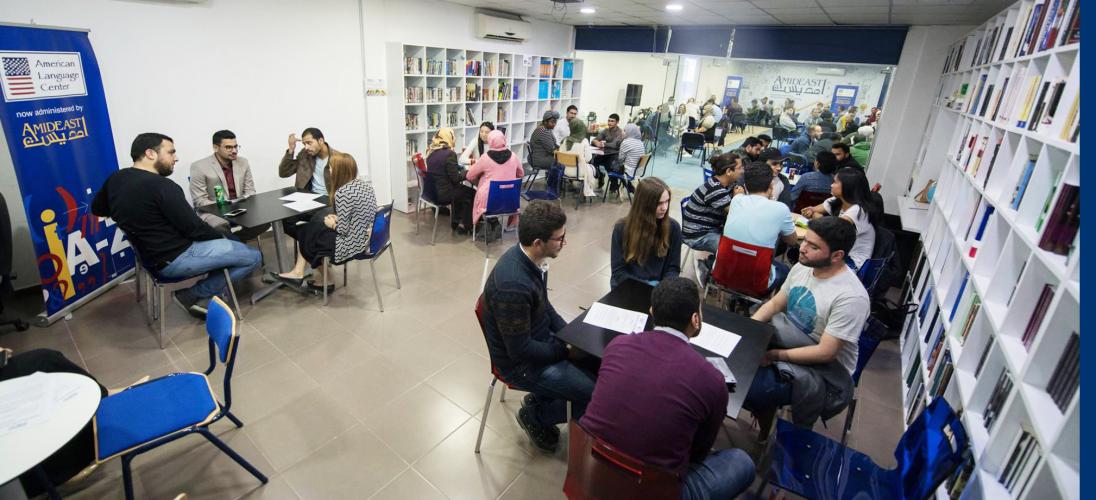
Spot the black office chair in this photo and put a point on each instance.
(781, 135)
(5, 267)
(691, 141)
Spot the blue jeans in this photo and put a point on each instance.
(768, 391)
(706, 243)
(554, 385)
(723, 474)
(211, 256)
(780, 274)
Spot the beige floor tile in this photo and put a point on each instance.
(530, 487)
(336, 352)
(295, 329)
(203, 471)
(424, 354)
(252, 352)
(121, 368)
(276, 489)
(260, 392)
(455, 469)
(409, 485)
(354, 465)
(299, 428)
(416, 421)
(465, 382)
(367, 386)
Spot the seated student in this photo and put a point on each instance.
(758, 220)
(706, 211)
(751, 149)
(803, 143)
(232, 173)
(563, 129)
(608, 139)
(818, 314)
(444, 178)
(578, 144)
(766, 140)
(646, 245)
(163, 228)
(824, 144)
(477, 146)
(542, 143)
(818, 180)
(781, 186)
(631, 150)
(659, 401)
(861, 149)
(826, 122)
(844, 157)
(787, 120)
(340, 232)
(852, 201)
(497, 164)
(519, 322)
(707, 124)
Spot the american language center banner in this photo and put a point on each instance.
(55, 120)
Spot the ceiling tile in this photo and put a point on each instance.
(862, 19)
(778, 4)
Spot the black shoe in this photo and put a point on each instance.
(529, 400)
(460, 231)
(292, 282)
(543, 439)
(188, 303)
(319, 289)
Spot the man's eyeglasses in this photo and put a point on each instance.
(232, 148)
(562, 239)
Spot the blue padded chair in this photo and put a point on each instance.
(157, 412)
(427, 199)
(873, 332)
(796, 161)
(814, 466)
(379, 242)
(158, 287)
(639, 173)
(552, 187)
(707, 174)
(503, 200)
(785, 148)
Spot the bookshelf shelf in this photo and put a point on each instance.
(996, 276)
(461, 88)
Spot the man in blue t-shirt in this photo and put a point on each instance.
(756, 220)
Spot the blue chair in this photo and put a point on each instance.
(873, 333)
(503, 200)
(816, 467)
(552, 187)
(796, 161)
(427, 199)
(707, 174)
(157, 412)
(379, 242)
(640, 172)
(158, 287)
(785, 148)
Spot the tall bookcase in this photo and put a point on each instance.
(459, 88)
(997, 277)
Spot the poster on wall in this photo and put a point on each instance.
(54, 115)
(843, 97)
(732, 89)
(797, 88)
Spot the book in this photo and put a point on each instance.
(1001, 391)
(1021, 187)
(1028, 102)
(997, 101)
(1051, 107)
(1037, 315)
(1066, 377)
(978, 156)
(1040, 105)
(1022, 461)
(1046, 202)
(943, 376)
(985, 101)
(1020, 29)
(992, 161)
(957, 483)
(1030, 34)
(959, 296)
(1072, 33)
(1063, 222)
(982, 359)
(1051, 13)
(1005, 44)
(978, 89)
(937, 346)
(975, 306)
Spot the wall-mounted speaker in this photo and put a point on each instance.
(633, 95)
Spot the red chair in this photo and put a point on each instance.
(419, 162)
(595, 470)
(809, 199)
(494, 379)
(741, 269)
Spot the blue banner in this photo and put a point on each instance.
(732, 89)
(843, 96)
(55, 119)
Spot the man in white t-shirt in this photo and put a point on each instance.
(562, 129)
(818, 314)
(757, 220)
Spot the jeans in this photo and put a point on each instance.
(706, 243)
(723, 474)
(211, 256)
(554, 385)
(780, 273)
(768, 392)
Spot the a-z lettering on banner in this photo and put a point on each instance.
(28, 76)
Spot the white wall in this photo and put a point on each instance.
(759, 77)
(258, 67)
(606, 75)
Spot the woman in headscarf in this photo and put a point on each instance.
(631, 150)
(443, 180)
(578, 144)
(497, 164)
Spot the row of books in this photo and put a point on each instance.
(1047, 24)
(433, 120)
(1037, 315)
(479, 68)
(1001, 391)
(1021, 464)
(1066, 378)
(413, 95)
(411, 121)
(412, 146)
(1063, 223)
(442, 94)
(1071, 128)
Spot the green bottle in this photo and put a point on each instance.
(219, 192)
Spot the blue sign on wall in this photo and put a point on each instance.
(732, 89)
(843, 96)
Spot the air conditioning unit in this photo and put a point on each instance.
(501, 28)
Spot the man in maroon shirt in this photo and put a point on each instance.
(661, 402)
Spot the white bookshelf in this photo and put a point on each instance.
(1007, 270)
(455, 94)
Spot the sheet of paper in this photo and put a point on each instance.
(298, 196)
(615, 319)
(716, 340)
(721, 365)
(29, 404)
(304, 205)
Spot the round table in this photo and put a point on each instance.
(68, 401)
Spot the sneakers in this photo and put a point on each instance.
(189, 303)
(543, 439)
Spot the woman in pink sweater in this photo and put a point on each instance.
(497, 164)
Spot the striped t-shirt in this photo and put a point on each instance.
(704, 212)
(630, 152)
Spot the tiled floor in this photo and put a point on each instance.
(345, 401)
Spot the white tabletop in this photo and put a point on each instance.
(61, 405)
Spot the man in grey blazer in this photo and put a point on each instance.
(224, 168)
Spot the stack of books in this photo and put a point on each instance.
(452, 119)
(1063, 222)
(412, 146)
(472, 92)
(473, 68)
(435, 67)
(997, 399)
(1037, 315)
(412, 95)
(433, 120)
(411, 121)
(454, 95)
(412, 65)
(1021, 464)
(1066, 378)
(435, 94)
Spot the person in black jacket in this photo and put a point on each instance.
(444, 177)
(542, 144)
(519, 322)
(163, 228)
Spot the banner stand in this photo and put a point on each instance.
(43, 319)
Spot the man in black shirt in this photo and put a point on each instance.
(170, 238)
(844, 157)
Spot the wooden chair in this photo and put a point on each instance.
(596, 470)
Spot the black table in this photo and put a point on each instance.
(635, 296)
(262, 208)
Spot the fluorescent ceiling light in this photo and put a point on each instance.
(674, 7)
(587, 10)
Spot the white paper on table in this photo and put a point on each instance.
(615, 319)
(721, 365)
(304, 205)
(716, 340)
(28, 404)
(299, 196)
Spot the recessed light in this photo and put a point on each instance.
(674, 7)
(587, 10)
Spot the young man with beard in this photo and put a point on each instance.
(310, 165)
(560, 132)
(818, 314)
(227, 169)
(161, 225)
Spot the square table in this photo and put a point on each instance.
(636, 296)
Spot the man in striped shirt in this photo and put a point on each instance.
(704, 215)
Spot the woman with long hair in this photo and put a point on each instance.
(646, 244)
(443, 180)
(341, 231)
(853, 201)
(477, 146)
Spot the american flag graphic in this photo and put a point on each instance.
(17, 76)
